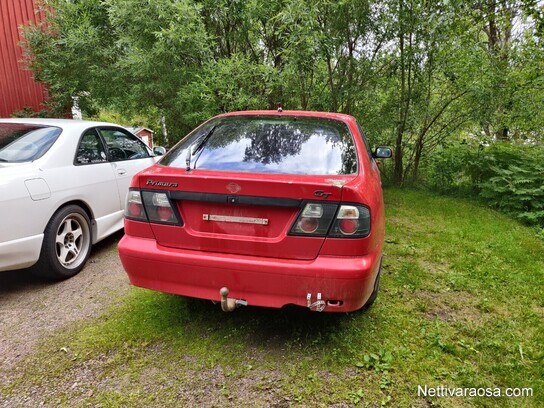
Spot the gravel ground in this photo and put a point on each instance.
(32, 308)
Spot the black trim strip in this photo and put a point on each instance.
(235, 199)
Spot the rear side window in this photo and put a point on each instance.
(25, 143)
(365, 141)
(268, 144)
(90, 149)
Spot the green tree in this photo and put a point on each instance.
(414, 73)
(106, 52)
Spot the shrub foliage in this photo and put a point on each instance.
(506, 176)
(511, 178)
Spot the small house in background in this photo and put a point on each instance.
(145, 134)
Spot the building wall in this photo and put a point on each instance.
(146, 136)
(17, 86)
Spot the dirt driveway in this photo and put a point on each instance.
(32, 308)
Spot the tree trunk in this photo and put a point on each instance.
(417, 157)
(398, 170)
(164, 132)
(404, 102)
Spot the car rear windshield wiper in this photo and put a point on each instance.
(199, 145)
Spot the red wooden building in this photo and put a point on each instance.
(145, 134)
(18, 89)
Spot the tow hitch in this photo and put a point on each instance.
(319, 305)
(229, 304)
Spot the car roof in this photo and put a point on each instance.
(62, 123)
(314, 114)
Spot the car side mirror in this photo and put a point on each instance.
(159, 151)
(382, 153)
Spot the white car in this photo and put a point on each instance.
(62, 188)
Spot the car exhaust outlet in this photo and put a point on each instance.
(229, 304)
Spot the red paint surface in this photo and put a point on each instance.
(261, 264)
(17, 86)
(269, 282)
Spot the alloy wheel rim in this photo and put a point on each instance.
(72, 241)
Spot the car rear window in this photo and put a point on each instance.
(268, 144)
(25, 142)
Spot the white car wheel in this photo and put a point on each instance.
(66, 245)
(72, 241)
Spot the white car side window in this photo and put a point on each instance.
(122, 145)
(91, 149)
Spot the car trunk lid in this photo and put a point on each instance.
(242, 213)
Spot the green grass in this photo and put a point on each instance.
(461, 305)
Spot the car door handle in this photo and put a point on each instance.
(121, 172)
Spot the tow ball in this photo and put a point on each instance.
(229, 304)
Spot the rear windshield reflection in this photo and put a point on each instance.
(291, 145)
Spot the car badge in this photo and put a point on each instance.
(321, 193)
(233, 188)
(155, 183)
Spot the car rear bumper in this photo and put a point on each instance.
(20, 253)
(345, 283)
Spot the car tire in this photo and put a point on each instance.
(374, 294)
(66, 244)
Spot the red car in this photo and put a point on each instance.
(261, 208)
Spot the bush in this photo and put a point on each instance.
(508, 177)
(511, 178)
(447, 169)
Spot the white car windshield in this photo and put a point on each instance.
(25, 142)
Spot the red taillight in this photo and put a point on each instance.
(314, 219)
(159, 208)
(165, 213)
(352, 221)
(334, 220)
(134, 208)
(150, 206)
(308, 225)
(348, 227)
